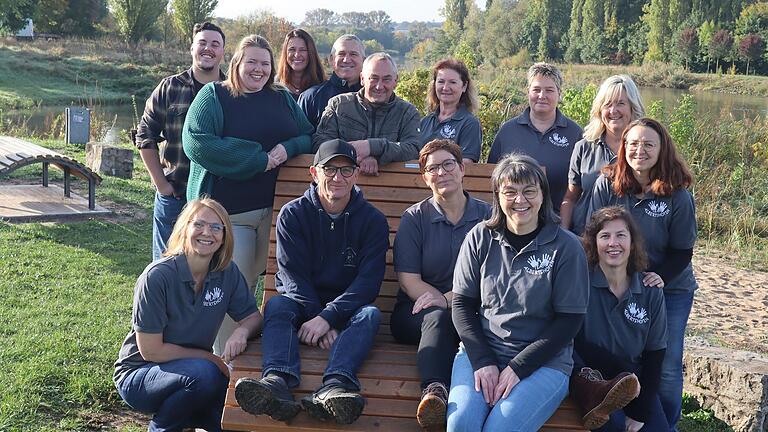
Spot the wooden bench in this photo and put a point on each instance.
(16, 153)
(389, 377)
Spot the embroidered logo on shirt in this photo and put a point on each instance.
(657, 209)
(448, 131)
(636, 314)
(559, 140)
(350, 257)
(540, 265)
(213, 297)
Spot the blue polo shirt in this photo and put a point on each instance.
(428, 244)
(164, 301)
(521, 291)
(666, 222)
(627, 326)
(314, 99)
(552, 149)
(587, 159)
(462, 127)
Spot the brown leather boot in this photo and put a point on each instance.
(598, 398)
(431, 410)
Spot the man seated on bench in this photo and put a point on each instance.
(331, 248)
(382, 127)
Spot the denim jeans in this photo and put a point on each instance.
(167, 210)
(184, 393)
(432, 330)
(657, 422)
(280, 341)
(671, 387)
(530, 403)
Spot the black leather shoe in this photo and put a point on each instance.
(336, 402)
(269, 395)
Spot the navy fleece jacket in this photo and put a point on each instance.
(332, 267)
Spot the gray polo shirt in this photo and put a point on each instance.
(665, 222)
(587, 159)
(462, 127)
(552, 149)
(628, 326)
(164, 301)
(428, 244)
(520, 292)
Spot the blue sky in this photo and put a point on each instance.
(293, 10)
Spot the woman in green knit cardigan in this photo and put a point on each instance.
(236, 134)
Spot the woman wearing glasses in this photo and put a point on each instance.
(237, 133)
(651, 181)
(520, 293)
(165, 366)
(426, 245)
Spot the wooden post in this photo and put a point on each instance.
(45, 174)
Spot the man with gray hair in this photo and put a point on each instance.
(346, 59)
(382, 127)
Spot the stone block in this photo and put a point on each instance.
(109, 159)
(733, 384)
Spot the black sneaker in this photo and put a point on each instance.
(336, 402)
(269, 395)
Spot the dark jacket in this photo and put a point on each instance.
(392, 128)
(314, 99)
(331, 267)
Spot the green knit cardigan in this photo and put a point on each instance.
(211, 153)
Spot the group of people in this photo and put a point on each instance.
(511, 310)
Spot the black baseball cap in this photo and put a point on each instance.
(335, 147)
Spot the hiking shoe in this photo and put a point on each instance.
(431, 410)
(598, 397)
(269, 395)
(332, 401)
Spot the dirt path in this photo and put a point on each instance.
(731, 305)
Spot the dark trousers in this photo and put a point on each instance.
(432, 330)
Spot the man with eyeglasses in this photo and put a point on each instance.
(382, 127)
(331, 248)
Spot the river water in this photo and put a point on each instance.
(122, 116)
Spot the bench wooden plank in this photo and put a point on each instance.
(389, 376)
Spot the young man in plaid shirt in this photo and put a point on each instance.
(163, 120)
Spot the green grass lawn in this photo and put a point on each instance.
(66, 291)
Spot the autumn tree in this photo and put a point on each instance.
(136, 18)
(656, 15)
(380, 20)
(356, 20)
(320, 18)
(688, 45)
(751, 48)
(186, 13)
(720, 46)
(455, 12)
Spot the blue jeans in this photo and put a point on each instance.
(167, 210)
(671, 387)
(280, 341)
(530, 403)
(182, 393)
(657, 422)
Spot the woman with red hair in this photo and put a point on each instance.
(651, 181)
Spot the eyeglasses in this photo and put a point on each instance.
(215, 228)
(528, 193)
(330, 170)
(644, 145)
(447, 165)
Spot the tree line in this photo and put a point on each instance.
(700, 35)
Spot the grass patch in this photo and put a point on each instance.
(697, 419)
(81, 71)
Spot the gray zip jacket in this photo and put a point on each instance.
(392, 129)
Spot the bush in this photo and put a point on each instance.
(412, 86)
(577, 103)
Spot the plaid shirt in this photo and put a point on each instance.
(163, 120)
